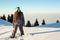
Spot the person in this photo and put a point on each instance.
(18, 21)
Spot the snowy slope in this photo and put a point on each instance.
(44, 32)
(38, 34)
(5, 23)
(53, 25)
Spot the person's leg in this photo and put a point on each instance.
(14, 31)
(21, 30)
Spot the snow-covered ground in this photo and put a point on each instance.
(52, 25)
(4, 23)
(32, 33)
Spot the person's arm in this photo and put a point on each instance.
(14, 18)
(23, 19)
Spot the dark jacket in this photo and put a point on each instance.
(18, 18)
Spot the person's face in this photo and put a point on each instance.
(18, 9)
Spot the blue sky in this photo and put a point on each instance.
(41, 6)
(31, 7)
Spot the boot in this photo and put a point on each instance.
(22, 34)
(12, 36)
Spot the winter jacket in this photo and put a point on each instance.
(18, 18)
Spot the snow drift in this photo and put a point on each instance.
(43, 32)
(53, 25)
(5, 23)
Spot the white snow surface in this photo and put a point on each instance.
(43, 32)
(31, 33)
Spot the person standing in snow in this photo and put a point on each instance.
(18, 21)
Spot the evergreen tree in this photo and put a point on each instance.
(3, 17)
(28, 24)
(43, 22)
(11, 18)
(36, 23)
(8, 18)
(57, 21)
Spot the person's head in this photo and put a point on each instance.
(18, 9)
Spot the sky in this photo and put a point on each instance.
(32, 9)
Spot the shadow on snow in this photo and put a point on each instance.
(44, 32)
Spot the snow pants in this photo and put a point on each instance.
(15, 30)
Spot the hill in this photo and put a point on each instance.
(5, 23)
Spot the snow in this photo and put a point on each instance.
(43, 32)
(53, 25)
(5, 23)
(38, 33)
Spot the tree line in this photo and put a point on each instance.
(28, 24)
(9, 18)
